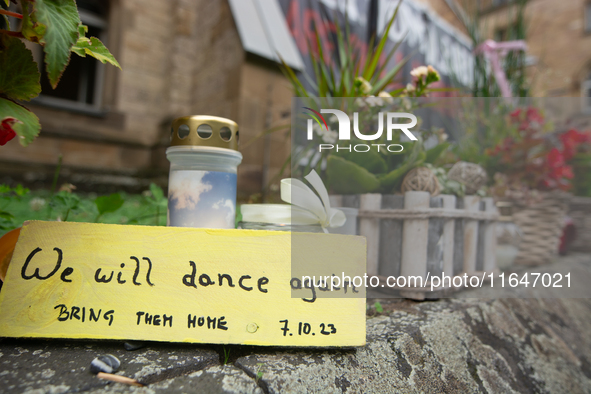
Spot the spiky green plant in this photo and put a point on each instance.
(347, 78)
(355, 74)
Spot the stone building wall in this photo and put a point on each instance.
(558, 45)
(178, 58)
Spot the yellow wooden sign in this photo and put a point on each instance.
(79, 280)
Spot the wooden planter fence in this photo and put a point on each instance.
(415, 234)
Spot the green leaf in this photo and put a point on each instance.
(157, 192)
(6, 215)
(378, 307)
(109, 203)
(93, 47)
(31, 29)
(391, 181)
(434, 153)
(66, 202)
(295, 81)
(27, 126)
(372, 161)
(387, 79)
(20, 191)
(19, 79)
(346, 177)
(369, 71)
(62, 20)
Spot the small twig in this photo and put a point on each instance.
(10, 13)
(12, 33)
(118, 379)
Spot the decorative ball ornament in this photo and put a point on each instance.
(421, 179)
(471, 175)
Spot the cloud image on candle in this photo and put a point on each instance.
(205, 199)
(228, 207)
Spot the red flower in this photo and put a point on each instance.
(555, 158)
(516, 113)
(571, 140)
(533, 115)
(6, 131)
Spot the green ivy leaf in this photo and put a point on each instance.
(94, 47)
(19, 79)
(27, 126)
(31, 29)
(109, 203)
(62, 20)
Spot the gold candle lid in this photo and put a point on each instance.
(204, 130)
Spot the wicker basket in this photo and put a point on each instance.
(580, 212)
(541, 225)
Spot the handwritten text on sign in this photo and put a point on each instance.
(79, 280)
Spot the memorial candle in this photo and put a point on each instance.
(203, 162)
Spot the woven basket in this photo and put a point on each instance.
(580, 212)
(541, 225)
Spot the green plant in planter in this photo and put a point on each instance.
(448, 186)
(351, 78)
(379, 172)
(55, 25)
(529, 162)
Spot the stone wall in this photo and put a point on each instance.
(178, 58)
(559, 47)
(461, 346)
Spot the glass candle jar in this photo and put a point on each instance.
(202, 180)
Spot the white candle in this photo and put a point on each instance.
(202, 180)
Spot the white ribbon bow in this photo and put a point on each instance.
(307, 208)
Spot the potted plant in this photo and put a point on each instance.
(531, 171)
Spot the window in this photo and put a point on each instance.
(80, 87)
